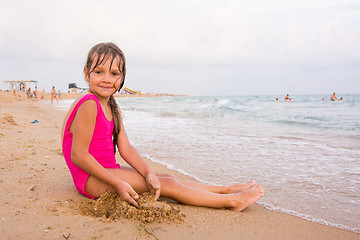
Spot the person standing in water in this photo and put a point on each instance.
(333, 97)
(287, 98)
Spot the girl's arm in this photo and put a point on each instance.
(82, 127)
(129, 153)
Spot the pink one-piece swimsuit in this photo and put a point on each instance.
(101, 145)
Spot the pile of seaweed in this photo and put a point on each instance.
(112, 207)
(9, 120)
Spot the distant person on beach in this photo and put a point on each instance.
(28, 91)
(35, 92)
(42, 96)
(93, 129)
(333, 97)
(53, 94)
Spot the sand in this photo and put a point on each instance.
(111, 207)
(38, 199)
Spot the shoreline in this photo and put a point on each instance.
(267, 206)
(31, 156)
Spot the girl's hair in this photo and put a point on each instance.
(99, 54)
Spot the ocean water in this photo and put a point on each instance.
(305, 153)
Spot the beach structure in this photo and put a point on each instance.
(132, 92)
(73, 88)
(19, 85)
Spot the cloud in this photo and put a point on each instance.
(200, 40)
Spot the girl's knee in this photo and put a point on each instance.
(169, 184)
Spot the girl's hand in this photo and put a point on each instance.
(127, 193)
(153, 184)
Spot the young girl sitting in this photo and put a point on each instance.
(93, 129)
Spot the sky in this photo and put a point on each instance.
(193, 47)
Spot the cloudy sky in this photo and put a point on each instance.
(196, 47)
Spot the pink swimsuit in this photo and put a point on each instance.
(101, 145)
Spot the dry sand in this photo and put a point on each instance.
(38, 197)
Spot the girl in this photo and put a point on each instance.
(92, 130)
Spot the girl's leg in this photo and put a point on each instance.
(172, 188)
(96, 187)
(212, 188)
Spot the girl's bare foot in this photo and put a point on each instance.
(248, 197)
(239, 187)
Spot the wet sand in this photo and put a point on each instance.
(38, 196)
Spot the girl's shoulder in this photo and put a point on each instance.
(82, 98)
(79, 101)
(90, 106)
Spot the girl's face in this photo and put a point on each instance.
(105, 79)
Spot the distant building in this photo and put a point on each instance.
(73, 88)
(19, 85)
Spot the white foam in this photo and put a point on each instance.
(308, 217)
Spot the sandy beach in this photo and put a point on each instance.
(38, 195)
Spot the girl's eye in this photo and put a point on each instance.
(115, 74)
(97, 72)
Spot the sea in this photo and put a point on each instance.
(305, 153)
